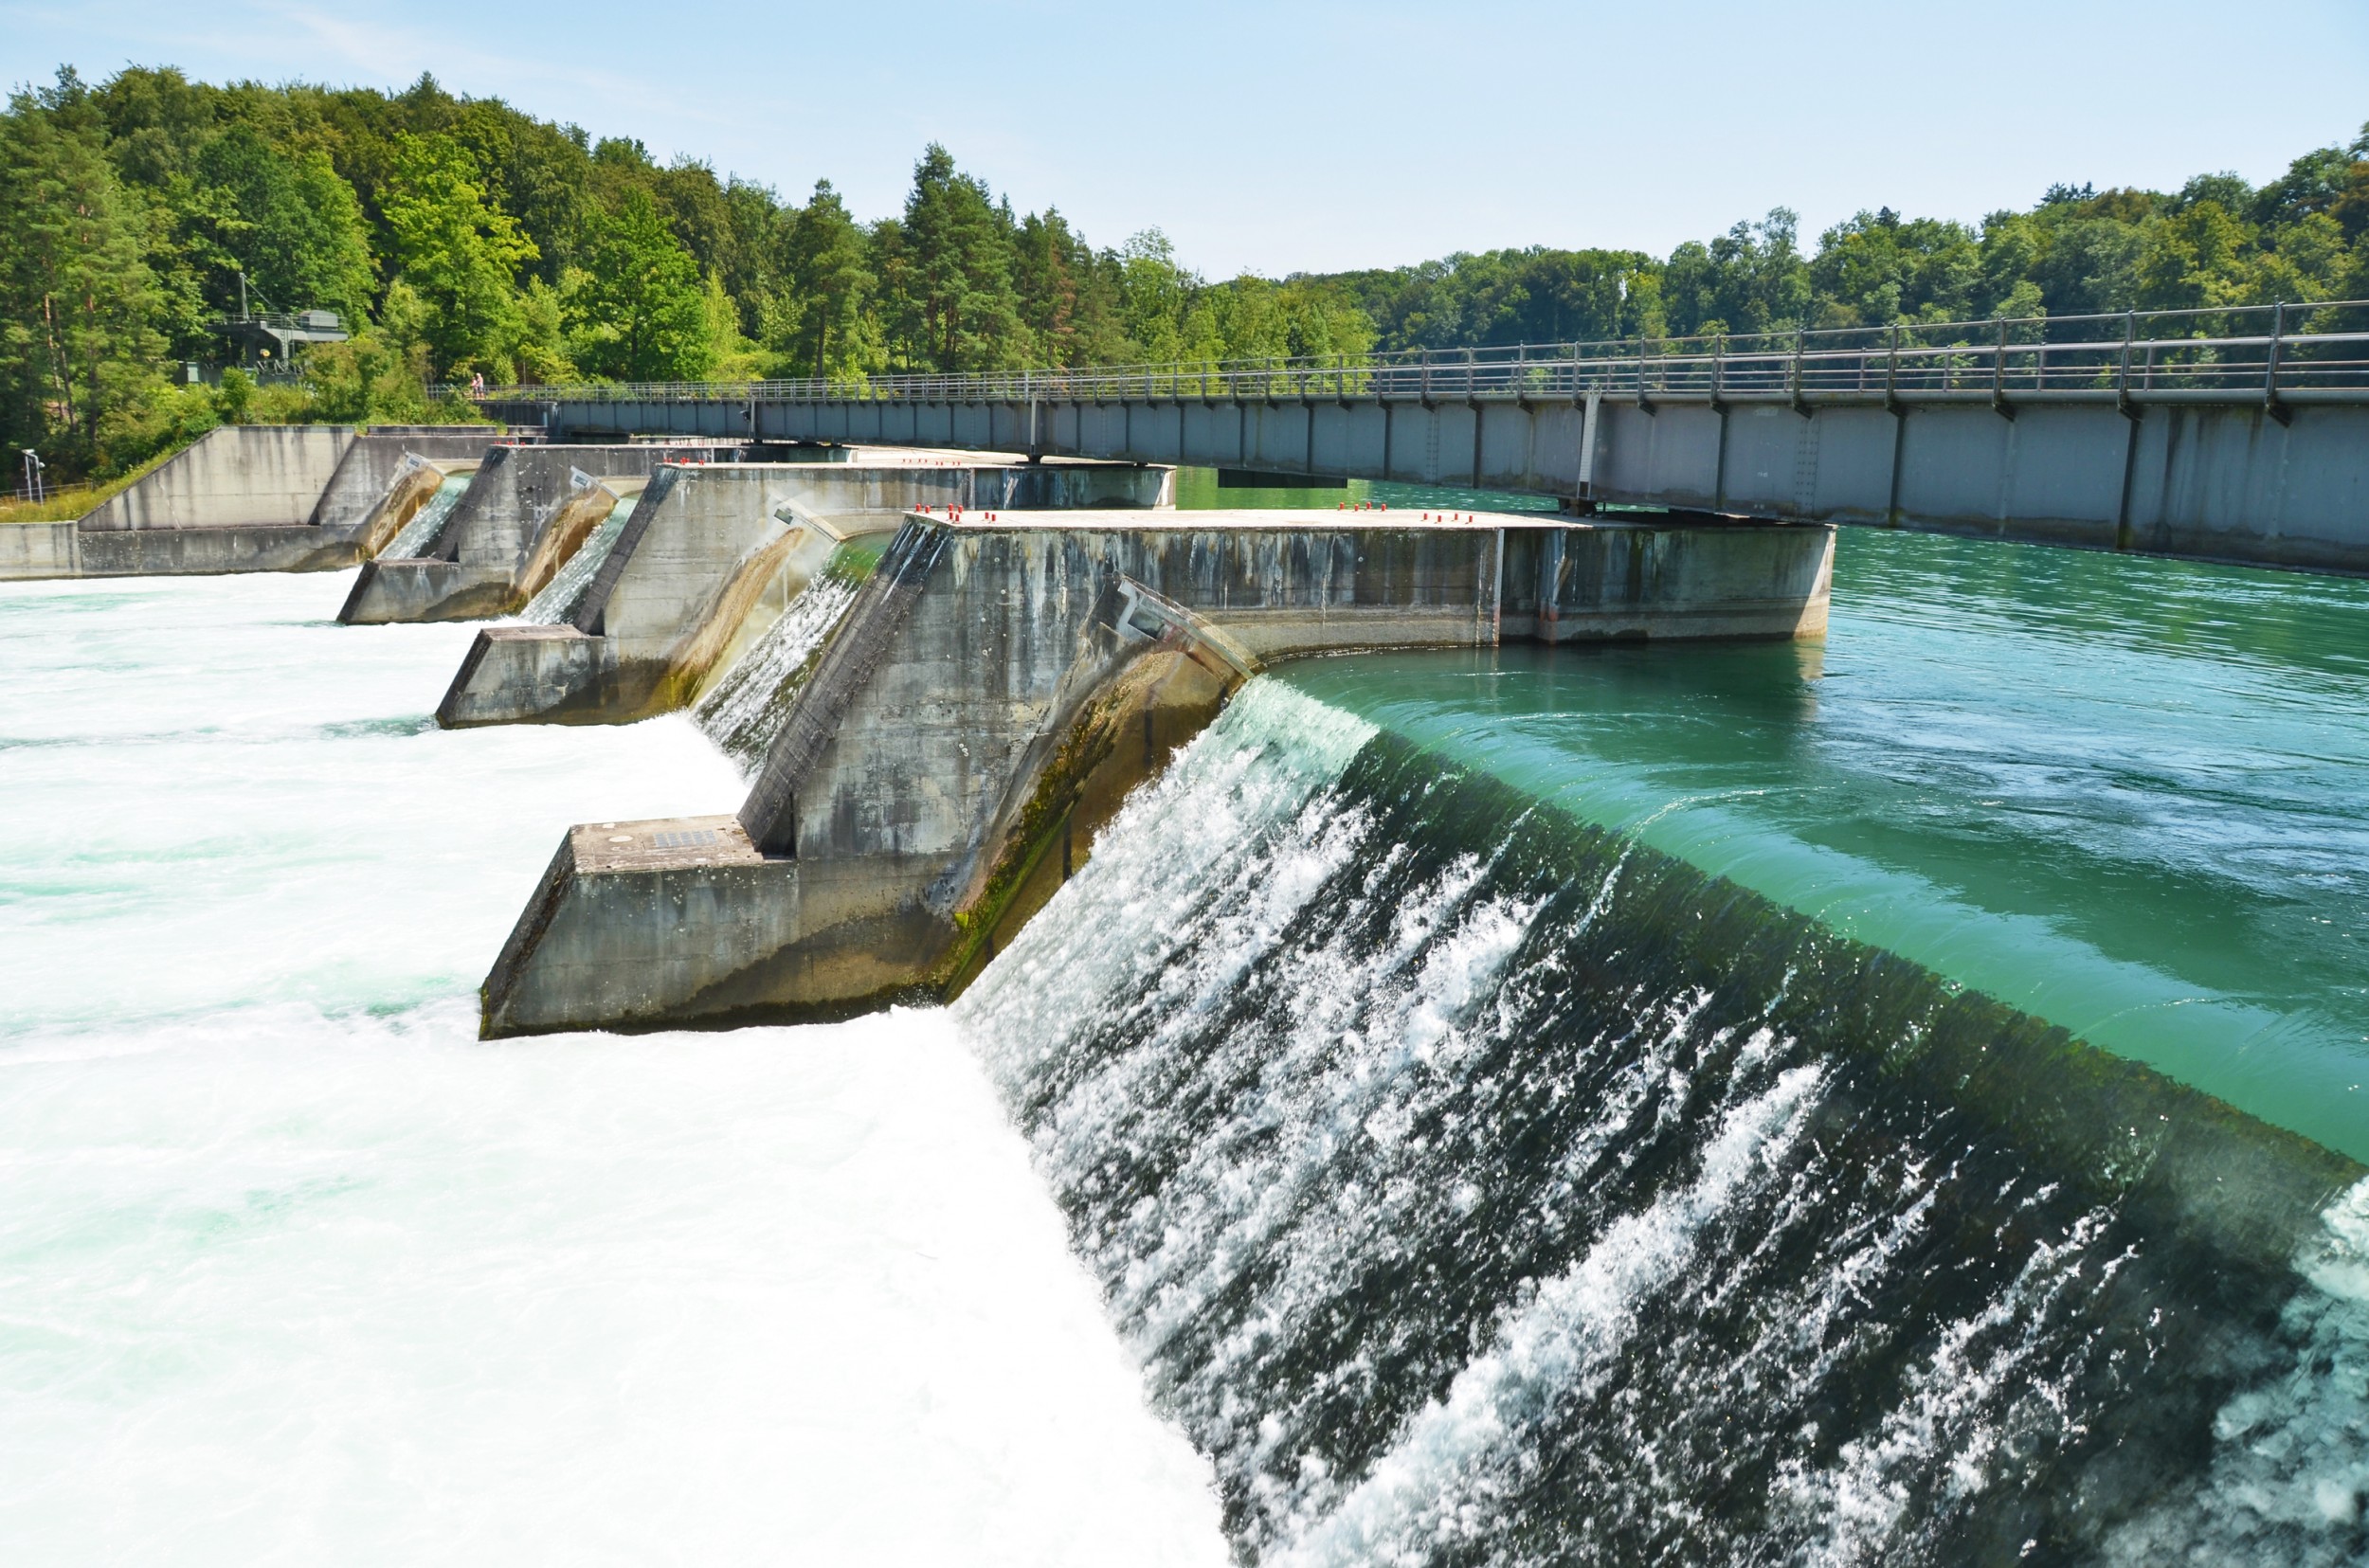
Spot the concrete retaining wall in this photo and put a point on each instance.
(37, 550)
(243, 498)
(996, 681)
(238, 476)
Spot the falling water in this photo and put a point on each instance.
(565, 591)
(418, 536)
(1479, 1185)
(745, 710)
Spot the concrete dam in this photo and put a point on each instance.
(999, 685)
(1621, 1037)
(308, 497)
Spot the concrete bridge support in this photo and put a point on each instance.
(996, 690)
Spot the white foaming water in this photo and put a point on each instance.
(736, 713)
(426, 523)
(1283, 1188)
(558, 600)
(1409, 1506)
(294, 1271)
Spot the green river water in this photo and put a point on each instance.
(2126, 795)
(2130, 796)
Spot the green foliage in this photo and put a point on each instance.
(637, 310)
(951, 305)
(459, 254)
(820, 320)
(460, 236)
(1878, 269)
(77, 302)
(286, 221)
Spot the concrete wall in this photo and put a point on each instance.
(514, 495)
(237, 475)
(243, 499)
(37, 550)
(374, 459)
(2169, 472)
(62, 550)
(993, 680)
(692, 566)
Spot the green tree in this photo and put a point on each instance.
(820, 323)
(288, 223)
(1749, 279)
(459, 254)
(2195, 260)
(955, 308)
(639, 310)
(77, 299)
(1069, 296)
(1879, 268)
(1155, 294)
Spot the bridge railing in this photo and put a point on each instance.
(2233, 353)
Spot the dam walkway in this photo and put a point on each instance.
(2234, 434)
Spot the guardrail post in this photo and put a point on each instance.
(2121, 376)
(1892, 372)
(1719, 366)
(1645, 404)
(1801, 341)
(1998, 374)
(2270, 403)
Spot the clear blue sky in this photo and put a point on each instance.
(1283, 137)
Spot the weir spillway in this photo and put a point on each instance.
(1594, 1070)
(998, 684)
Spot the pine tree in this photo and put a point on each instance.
(829, 281)
(77, 299)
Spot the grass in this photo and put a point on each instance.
(68, 502)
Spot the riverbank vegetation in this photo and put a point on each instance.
(460, 237)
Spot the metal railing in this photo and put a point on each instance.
(2265, 354)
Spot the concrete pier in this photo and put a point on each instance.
(477, 568)
(248, 497)
(711, 555)
(1000, 686)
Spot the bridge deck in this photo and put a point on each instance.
(2237, 435)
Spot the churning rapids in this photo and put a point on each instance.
(293, 1270)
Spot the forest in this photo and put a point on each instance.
(460, 237)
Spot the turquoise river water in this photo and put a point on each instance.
(2131, 796)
